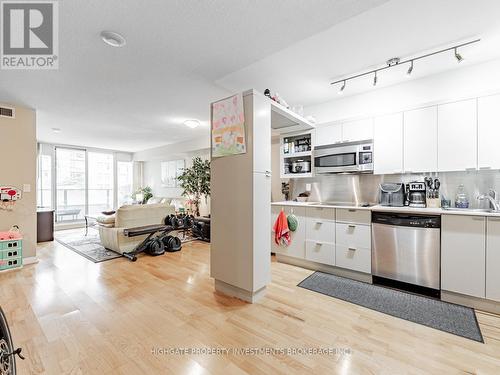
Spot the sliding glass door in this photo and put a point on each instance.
(71, 197)
(77, 182)
(101, 182)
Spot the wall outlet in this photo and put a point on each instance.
(308, 187)
(26, 188)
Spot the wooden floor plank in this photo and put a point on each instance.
(72, 316)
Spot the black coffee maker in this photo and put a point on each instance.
(415, 194)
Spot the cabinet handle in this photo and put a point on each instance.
(483, 168)
(471, 169)
(352, 248)
(480, 218)
(495, 219)
(319, 222)
(352, 210)
(268, 173)
(319, 244)
(351, 226)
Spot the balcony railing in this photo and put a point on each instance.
(71, 203)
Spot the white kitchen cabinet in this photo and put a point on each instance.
(358, 130)
(320, 235)
(420, 145)
(493, 259)
(463, 254)
(388, 144)
(297, 246)
(488, 112)
(457, 136)
(328, 134)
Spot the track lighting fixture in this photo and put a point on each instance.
(410, 69)
(341, 91)
(395, 61)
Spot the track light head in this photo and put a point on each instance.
(410, 69)
(342, 88)
(375, 79)
(458, 56)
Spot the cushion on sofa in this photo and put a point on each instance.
(106, 219)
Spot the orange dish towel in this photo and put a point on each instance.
(281, 231)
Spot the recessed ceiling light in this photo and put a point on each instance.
(56, 130)
(113, 39)
(192, 123)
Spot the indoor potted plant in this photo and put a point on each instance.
(195, 181)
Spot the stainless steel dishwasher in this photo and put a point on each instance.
(407, 248)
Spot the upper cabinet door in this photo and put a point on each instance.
(457, 136)
(420, 140)
(328, 134)
(388, 144)
(488, 111)
(358, 130)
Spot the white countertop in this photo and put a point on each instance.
(379, 208)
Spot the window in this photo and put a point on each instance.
(44, 183)
(76, 182)
(70, 184)
(101, 180)
(125, 177)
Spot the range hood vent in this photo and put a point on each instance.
(7, 112)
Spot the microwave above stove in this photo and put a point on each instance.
(348, 157)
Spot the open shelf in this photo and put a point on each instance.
(285, 121)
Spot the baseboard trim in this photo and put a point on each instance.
(30, 260)
(342, 272)
(474, 302)
(234, 291)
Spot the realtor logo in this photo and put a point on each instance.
(29, 34)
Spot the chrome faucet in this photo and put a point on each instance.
(492, 198)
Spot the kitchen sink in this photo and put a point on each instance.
(470, 209)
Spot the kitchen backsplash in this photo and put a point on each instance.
(364, 188)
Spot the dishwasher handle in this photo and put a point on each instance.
(407, 220)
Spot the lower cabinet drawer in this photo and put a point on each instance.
(320, 230)
(355, 235)
(320, 252)
(10, 253)
(353, 258)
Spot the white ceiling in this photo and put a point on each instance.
(136, 97)
(302, 72)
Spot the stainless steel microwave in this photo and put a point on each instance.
(348, 157)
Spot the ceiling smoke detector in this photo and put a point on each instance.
(113, 39)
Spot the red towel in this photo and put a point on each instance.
(281, 231)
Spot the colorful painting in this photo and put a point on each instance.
(228, 127)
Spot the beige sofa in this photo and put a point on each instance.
(111, 233)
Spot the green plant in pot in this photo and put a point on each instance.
(146, 193)
(195, 181)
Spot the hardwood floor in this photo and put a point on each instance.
(72, 316)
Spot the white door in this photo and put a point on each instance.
(358, 130)
(328, 134)
(488, 112)
(493, 259)
(388, 144)
(420, 140)
(463, 254)
(457, 136)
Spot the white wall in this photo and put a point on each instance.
(151, 165)
(469, 81)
